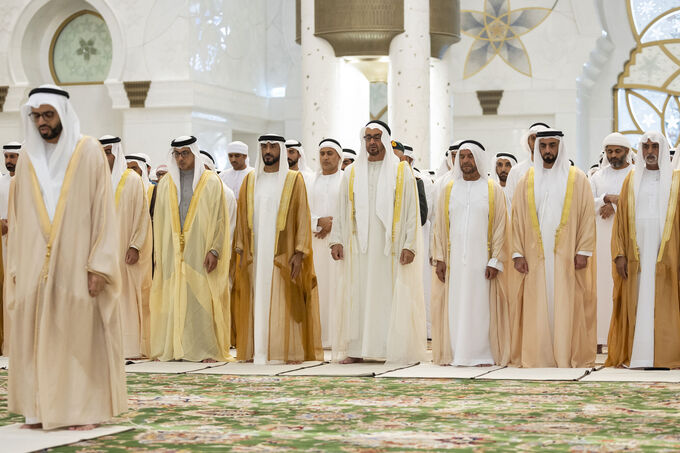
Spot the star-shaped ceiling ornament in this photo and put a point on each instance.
(497, 31)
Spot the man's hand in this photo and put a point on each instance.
(607, 211)
(580, 262)
(613, 199)
(325, 223)
(210, 262)
(295, 265)
(337, 252)
(132, 256)
(406, 257)
(490, 273)
(95, 284)
(521, 265)
(441, 271)
(622, 266)
(5, 228)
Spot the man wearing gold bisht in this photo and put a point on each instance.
(134, 230)
(190, 313)
(645, 326)
(275, 291)
(553, 227)
(63, 274)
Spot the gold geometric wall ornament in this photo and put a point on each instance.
(3, 95)
(489, 100)
(497, 31)
(137, 92)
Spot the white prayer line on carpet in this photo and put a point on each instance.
(432, 371)
(628, 375)
(537, 374)
(169, 367)
(250, 369)
(17, 440)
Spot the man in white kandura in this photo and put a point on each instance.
(238, 158)
(135, 248)
(323, 202)
(606, 184)
(382, 312)
(470, 247)
(645, 327)
(63, 274)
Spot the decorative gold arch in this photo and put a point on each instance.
(647, 93)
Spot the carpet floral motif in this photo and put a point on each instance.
(244, 414)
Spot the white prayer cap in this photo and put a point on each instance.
(408, 151)
(162, 167)
(12, 147)
(478, 152)
(237, 148)
(50, 168)
(348, 153)
(185, 141)
(616, 139)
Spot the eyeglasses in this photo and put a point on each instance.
(177, 154)
(48, 115)
(368, 138)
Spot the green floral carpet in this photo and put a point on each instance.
(217, 413)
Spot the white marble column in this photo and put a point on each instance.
(408, 85)
(319, 85)
(441, 111)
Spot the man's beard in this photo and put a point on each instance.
(10, 167)
(291, 162)
(616, 162)
(53, 133)
(468, 169)
(373, 150)
(268, 159)
(549, 159)
(651, 159)
(503, 176)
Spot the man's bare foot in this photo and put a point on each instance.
(294, 362)
(349, 360)
(135, 358)
(83, 427)
(484, 364)
(31, 426)
(250, 361)
(208, 361)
